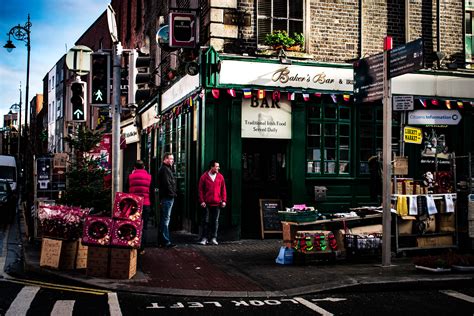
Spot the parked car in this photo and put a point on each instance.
(7, 202)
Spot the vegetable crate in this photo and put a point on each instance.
(370, 244)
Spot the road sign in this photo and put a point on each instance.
(403, 103)
(434, 117)
(405, 59)
(412, 135)
(78, 60)
(368, 79)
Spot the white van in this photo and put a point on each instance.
(8, 170)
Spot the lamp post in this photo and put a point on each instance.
(16, 107)
(22, 33)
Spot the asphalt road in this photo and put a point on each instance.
(24, 297)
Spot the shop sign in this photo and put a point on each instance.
(437, 117)
(266, 118)
(235, 72)
(403, 103)
(186, 85)
(130, 132)
(412, 135)
(149, 117)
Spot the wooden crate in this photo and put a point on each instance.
(434, 241)
(123, 263)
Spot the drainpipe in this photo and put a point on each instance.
(438, 33)
(361, 26)
(407, 21)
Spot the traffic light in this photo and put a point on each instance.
(100, 91)
(140, 78)
(78, 105)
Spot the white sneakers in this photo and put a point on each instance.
(212, 242)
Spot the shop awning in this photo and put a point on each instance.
(433, 85)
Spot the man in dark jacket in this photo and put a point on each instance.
(212, 197)
(139, 182)
(167, 193)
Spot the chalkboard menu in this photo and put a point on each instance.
(269, 219)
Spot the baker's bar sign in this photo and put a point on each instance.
(266, 118)
(237, 72)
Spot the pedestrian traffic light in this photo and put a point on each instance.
(139, 74)
(78, 105)
(100, 92)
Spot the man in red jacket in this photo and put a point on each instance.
(212, 197)
(139, 183)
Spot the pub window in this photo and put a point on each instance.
(284, 15)
(328, 140)
(370, 134)
(469, 36)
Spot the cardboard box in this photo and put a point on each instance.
(98, 261)
(405, 225)
(434, 241)
(61, 254)
(123, 263)
(447, 222)
(127, 206)
(81, 258)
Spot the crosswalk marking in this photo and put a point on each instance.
(114, 306)
(23, 300)
(312, 306)
(458, 295)
(63, 308)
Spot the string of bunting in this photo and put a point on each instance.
(449, 104)
(276, 95)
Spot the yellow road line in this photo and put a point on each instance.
(58, 287)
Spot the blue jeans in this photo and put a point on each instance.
(210, 221)
(145, 216)
(165, 216)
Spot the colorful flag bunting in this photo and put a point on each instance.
(276, 95)
(423, 102)
(460, 104)
(347, 97)
(231, 92)
(215, 93)
(448, 104)
(190, 101)
(261, 94)
(306, 96)
(247, 93)
(291, 96)
(334, 98)
(435, 102)
(318, 95)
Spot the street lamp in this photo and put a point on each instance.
(17, 107)
(22, 33)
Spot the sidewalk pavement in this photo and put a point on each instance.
(247, 268)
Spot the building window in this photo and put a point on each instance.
(273, 15)
(328, 139)
(370, 135)
(469, 26)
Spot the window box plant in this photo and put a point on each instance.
(282, 40)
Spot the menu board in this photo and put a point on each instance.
(269, 219)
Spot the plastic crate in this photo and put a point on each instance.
(299, 217)
(363, 244)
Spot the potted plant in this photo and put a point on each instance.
(279, 39)
(299, 40)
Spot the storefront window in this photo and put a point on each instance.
(285, 15)
(370, 134)
(328, 139)
(469, 36)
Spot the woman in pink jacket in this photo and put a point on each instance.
(212, 197)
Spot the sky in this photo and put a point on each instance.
(56, 26)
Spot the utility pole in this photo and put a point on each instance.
(116, 110)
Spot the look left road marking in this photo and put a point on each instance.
(312, 306)
(458, 295)
(22, 301)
